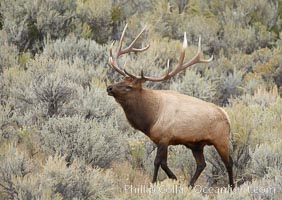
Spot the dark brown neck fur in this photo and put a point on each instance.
(141, 108)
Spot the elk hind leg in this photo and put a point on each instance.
(201, 164)
(224, 153)
(161, 160)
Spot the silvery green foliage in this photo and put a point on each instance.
(133, 7)
(89, 141)
(52, 94)
(142, 153)
(173, 19)
(250, 19)
(8, 53)
(269, 187)
(247, 39)
(264, 158)
(243, 40)
(182, 158)
(94, 103)
(57, 181)
(28, 22)
(230, 85)
(260, 97)
(8, 123)
(48, 85)
(13, 164)
(204, 27)
(246, 12)
(97, 14)
(71, 48)
(194, 85)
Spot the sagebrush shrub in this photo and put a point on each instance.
(57, 181)
(264, 158)
(8, 53)
(181, 158)
(28, 22)
(8, 124)
(194, 85)
(268, 187)
(87, 140)
(52, 93)
(49, 87)
(13, 164)
(230, 85)
(142, 152)
(93, 103)
(97, 15)
(71, 48)
(260, 97)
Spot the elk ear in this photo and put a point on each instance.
(127, 78)
(138, 82)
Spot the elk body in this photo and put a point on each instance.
(171, 118)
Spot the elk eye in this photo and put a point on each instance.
(128, 88)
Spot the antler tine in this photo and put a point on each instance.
(181, 58)
(197, 57)
(113, 58)
(140, 50)
(130, 48)
(180, 66)
(111, 49)
(176, 70)
(131, 75)
(114, 66)
(113, 62)
(120, 41)
(199, 49)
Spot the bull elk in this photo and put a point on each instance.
(171, 118)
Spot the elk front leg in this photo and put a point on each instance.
(161, 160)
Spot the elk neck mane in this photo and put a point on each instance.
(141, 108)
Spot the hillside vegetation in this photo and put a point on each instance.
(62, 137)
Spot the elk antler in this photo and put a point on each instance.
(180, 66)
(113, 59)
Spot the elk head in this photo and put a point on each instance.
(128, 85)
